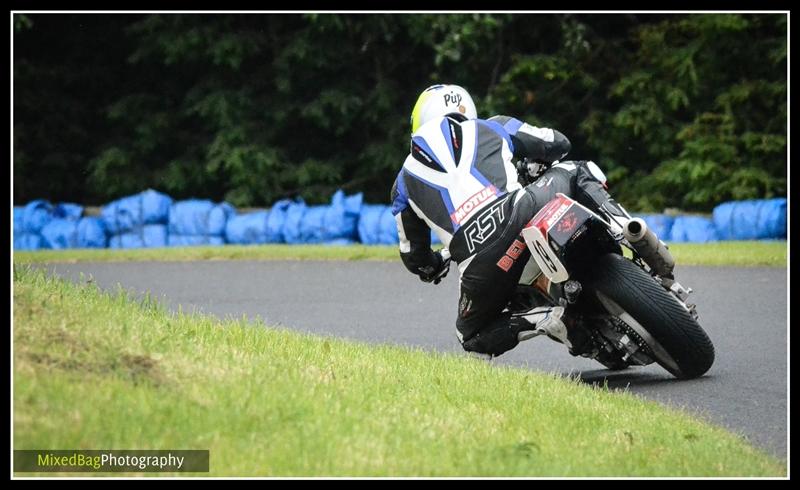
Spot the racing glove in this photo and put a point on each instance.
(436, 271)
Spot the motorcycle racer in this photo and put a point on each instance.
(459, 180)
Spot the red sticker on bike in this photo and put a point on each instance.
(552, 212)
(567, 223)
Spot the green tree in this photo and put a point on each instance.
(679, 110)
(706, 102)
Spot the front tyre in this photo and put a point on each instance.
(679, 343)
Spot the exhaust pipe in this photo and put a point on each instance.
(647, 244)
(635, 230)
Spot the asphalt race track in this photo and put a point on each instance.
(744, 311)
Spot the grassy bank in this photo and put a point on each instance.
(94, 370)
(751, 253)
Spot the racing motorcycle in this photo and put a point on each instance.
(633, 309)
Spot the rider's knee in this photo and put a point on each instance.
(492, 343)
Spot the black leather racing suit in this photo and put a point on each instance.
(459, 181)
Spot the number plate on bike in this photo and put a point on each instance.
(553, 227)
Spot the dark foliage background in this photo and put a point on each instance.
(680, 110)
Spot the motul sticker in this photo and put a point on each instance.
(473, 203)
(551, 220)
(551, 212)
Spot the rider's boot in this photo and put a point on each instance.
(542, 320)
(551, 321)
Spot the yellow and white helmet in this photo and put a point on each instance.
(440, 100)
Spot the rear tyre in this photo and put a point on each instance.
(681, 346)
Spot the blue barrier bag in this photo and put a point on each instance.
(246, 229)
(291, 225)
(61, 233)
(199, 217)
(661, 224)
(146, 236)
(692, 229)
(387, 234)
(92, 233)
(132, 212)
(122, 215)
(19, 213)
(68, 210)
(36, 215)
(312, 225)
(155, 207)
(369, 223)
(276, 221)
(341, 217)
(751, 219)
(28, 241)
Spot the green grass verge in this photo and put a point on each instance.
(94, 370)
(227, 252)
(751, 253)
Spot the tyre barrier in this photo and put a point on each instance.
(153, 219)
